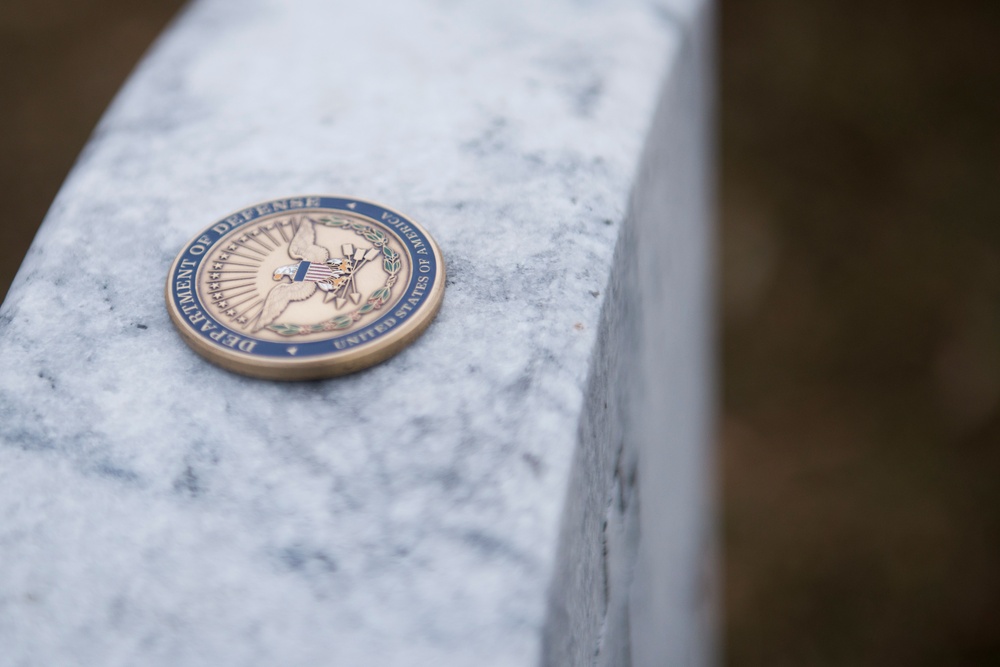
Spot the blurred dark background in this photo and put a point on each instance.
(860, 303)
(861, 331)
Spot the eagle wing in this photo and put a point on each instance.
(303, 244)
(278, 299)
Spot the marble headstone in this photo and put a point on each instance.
(527, 484)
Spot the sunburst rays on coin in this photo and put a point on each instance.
(233, 273)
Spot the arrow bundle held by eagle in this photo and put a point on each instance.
(335, 276)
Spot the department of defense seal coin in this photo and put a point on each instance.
(305, 287)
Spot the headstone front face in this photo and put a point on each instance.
(525, 484)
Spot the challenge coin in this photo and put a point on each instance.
(305, 287)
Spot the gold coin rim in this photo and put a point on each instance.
(336, 363)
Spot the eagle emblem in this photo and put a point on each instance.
(315, 270)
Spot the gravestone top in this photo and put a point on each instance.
(158, 510)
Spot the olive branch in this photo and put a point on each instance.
(390, 263)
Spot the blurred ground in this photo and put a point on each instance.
(860, 303)
(861, 306)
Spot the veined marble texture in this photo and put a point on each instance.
(158, 510)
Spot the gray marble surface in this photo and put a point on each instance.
(157, 510)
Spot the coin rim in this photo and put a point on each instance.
(336, 363)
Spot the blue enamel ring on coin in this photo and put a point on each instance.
(306, 287)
